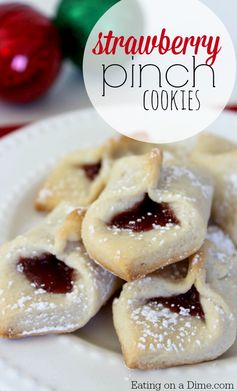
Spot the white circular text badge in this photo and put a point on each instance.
(159, 70)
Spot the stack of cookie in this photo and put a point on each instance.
(132, 215)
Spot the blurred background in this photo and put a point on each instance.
(61, 82)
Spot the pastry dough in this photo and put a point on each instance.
(48, 284)
(148, 216)
(124, 146)
(81, 176)
(219, 158)
(78, 178)
(181, 314)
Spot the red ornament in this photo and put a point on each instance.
(30, 54)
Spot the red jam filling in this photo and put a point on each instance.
(91, 170)
(144, 215)
(47, 272)
(189, 301)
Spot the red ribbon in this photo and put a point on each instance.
(4, 130)
(231, 107)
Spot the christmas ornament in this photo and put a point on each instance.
(30, 54)
(75, 19)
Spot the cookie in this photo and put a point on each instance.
(181, 314)
(48, 283)
(219, 158)
(149, 215)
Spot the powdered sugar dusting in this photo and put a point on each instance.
(221, 239)
(176, 172)
(161, 329)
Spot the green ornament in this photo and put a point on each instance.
(75, 20)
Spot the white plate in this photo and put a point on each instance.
(89, 359)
